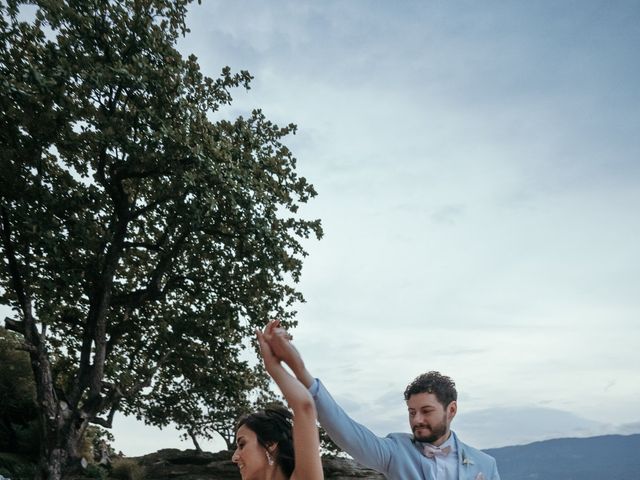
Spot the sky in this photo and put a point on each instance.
(478, 177)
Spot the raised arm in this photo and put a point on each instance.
(306, 443)
(353, 437)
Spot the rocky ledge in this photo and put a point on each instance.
(173, 464)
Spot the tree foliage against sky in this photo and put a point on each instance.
(143, 235)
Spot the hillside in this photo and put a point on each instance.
(609, 457)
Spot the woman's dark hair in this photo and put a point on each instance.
(273, 425)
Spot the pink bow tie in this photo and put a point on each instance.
(430, 451)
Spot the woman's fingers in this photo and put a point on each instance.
(265, 348)
(261, 340)
(276, 339)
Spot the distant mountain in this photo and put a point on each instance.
(608, 457)
(528, 424)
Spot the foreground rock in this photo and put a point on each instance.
(170, 464)
(337, 468)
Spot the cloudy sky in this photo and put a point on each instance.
(478, 172)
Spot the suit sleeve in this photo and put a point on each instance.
(494, 474)
(355, 439)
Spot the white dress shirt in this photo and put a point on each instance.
(446, 468)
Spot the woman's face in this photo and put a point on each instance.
(250, 456)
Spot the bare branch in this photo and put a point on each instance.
(102, 422)
(114, 396)
(14, 325)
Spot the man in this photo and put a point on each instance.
(433, 452)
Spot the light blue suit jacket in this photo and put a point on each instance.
(396, 456)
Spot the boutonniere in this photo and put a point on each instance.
(466, 461)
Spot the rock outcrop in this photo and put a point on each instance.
(173, 464)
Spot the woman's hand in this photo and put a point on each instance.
(275, 346)
(269, 358)
(280, 342)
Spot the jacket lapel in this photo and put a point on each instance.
(465, 463)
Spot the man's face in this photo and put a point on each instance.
(428, 419)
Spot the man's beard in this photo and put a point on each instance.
(437, 431)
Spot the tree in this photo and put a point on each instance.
(143, 235)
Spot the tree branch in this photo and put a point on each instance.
(115, 405)
(124, 174)
(14, 325)
(142, 210)
(18, 327)
(153, 290)
(147, 246)
(100, 300)
(115, 394)
(14, 270)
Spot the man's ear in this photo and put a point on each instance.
(452, 409)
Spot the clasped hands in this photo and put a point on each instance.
(275, 345)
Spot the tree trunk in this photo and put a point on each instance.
(59, 450)
(230, 441)
(52, 464)
(60, 430)
(195, 441)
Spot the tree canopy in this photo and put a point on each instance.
(143, 235)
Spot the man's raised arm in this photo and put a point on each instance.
(355, 439)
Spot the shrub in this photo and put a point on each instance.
(17, 467)
(28, 438)
(127, 469)
(95, 471)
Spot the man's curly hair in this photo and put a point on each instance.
(433, 382)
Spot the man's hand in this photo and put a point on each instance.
(279, 341)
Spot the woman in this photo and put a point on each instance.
(271, 444)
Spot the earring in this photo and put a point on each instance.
(269, 458)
